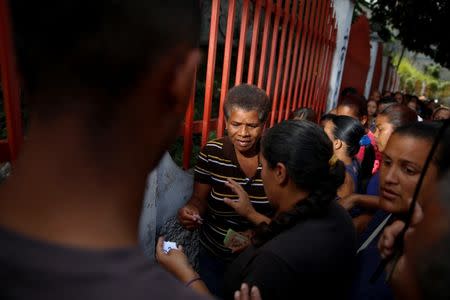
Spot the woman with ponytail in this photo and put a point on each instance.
(348, 135)
(309, 246)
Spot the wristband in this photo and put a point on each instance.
(193, 280)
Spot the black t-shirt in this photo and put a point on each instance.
(312, 260)
(31, 269)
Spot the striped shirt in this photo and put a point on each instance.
(216, 162)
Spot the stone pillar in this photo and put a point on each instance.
(344, 14)
(373, 60)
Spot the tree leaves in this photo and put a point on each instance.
(421, 25)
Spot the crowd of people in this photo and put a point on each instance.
(310, 208)
(374, 161)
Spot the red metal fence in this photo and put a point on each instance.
(10, 87)
(288, 54)
(284, 47)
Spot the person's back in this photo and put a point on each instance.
(307, 269)
(33, 269)
(107, 83)
(311, 241)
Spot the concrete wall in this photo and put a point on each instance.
(372, 65)
(344, 13)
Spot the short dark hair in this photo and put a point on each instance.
(387, 100)
(304, 114)
(102, 48)
(247, 97)
(399, 115)
(326, 117)
(355, 102)
(349, 91)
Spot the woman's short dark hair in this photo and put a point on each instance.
(249, 98)
(305, 150)
(399, 115)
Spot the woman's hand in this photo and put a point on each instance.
(245, 294)
(175, 262)
(387, 239)
(189, 217)
(242, 206)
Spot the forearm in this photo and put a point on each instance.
(361, 222)
(368, 201)
(187, 275)
(257, 218)
(200, 204)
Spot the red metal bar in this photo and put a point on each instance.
(209, 85)
(332, 47)
(226, 64)
(294, 59)
(273, 47)
(301, 65)
(280, 62)
(10, 84)
(319, 56)
(287, 64)
(4, 151)
(322, 85)
(197, 126)
(256, 21)
(262, 61)
(188, 128)
(311, 55)
(318, 66)
(242, 42)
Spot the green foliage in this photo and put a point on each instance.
(419, 25)
(433, 70)
(409, 75)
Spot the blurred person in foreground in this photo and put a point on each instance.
(107, 83)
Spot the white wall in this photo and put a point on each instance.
(384, 65)
(344, 13)
(373, 61)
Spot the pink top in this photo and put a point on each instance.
(360, 155)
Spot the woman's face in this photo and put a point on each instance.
(403, 160)
(244, 129)
(371, 108)
(383, 131)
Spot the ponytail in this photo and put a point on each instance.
(315, 205)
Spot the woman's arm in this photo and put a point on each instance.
(176, 263)
(347, 188)
(366, 201)
(243, 206)
(189, 215)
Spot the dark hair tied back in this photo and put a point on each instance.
(305, 150)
